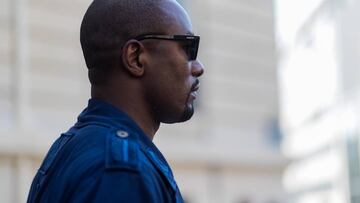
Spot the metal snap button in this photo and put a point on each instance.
(122, 134)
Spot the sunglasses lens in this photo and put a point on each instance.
(189, 49)
(189, 43)
(194, 49)
(193, 53)
(190, 52)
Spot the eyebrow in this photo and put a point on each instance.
(190, 33)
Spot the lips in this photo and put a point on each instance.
(195, 87)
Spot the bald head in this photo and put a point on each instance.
(108, 24)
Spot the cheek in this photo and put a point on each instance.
(174, 66)
(175, 88)
(168, 89)
(171, 71)
(173, 58)
(179, 77)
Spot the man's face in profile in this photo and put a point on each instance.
(157, 75)
(172, 80)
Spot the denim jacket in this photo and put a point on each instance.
(104, 157)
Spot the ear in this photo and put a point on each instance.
(132, 50)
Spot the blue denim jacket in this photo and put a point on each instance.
(104, 157)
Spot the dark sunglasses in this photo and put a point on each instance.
(191, 42)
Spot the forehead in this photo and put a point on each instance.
(175, 18)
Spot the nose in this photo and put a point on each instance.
(197, 68)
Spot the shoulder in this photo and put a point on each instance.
(114, 148)
(122, 150)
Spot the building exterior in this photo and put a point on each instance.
(227, 153)
(318, 49)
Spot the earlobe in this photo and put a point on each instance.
(131, 54)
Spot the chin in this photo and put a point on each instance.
(187, 113)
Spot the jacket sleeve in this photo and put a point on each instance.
(115, 186)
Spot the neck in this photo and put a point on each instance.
(130, 103)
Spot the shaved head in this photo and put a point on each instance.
(141, 57)
(108, 24)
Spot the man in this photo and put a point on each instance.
(141, 57)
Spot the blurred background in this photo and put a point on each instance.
(277, 120)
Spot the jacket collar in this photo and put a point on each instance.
(103, 113)
(106, 114)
